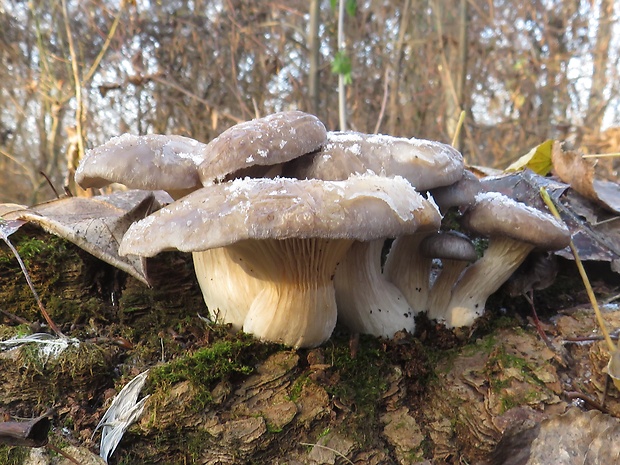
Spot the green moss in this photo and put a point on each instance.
(362, 382)
(236, 355)
(10, 455)
(33, 249)
(498, 362)
(362, 378)
(297, 387)
(45, 380)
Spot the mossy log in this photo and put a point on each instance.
(223, 398)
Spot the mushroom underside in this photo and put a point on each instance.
(480, 280)
(296, 305)
(228, 288)
(367, 302)
(409, 271)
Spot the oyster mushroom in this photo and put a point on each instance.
(151, 162)
(290, 234)
(514, 230)
(425, 164)
(459, 194)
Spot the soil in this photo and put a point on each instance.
(220, 397)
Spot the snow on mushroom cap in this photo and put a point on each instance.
(274, 139)
(495, 214)
(143, 162)
(362, 207)
(425, 164)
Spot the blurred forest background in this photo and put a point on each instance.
(75, 73)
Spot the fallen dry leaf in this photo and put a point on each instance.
(577, 171)
(594, 229)
(95, 224)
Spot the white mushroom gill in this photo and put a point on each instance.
(367, 302)
(441, 289)
(297, 304)
(227, 287)
(409, 270)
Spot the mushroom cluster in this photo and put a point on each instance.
(287, 223)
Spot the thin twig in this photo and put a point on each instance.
(384, 101)
(342, 99)
(601, 155)
(49, 182)
(105, 46)
(572, 395)
(46, 315)
(63, 453)
(459, 125)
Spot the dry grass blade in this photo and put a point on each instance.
(601, 155)
(459, 125)
(614, 362)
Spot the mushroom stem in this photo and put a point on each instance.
(409, 270)
(367, 302)
(297, 305)
(440, 293)
(227, 288)
(483, 278)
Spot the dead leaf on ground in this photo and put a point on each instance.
(95, 224)
(577, 171)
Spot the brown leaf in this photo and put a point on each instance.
(577, 171)
(95, 224)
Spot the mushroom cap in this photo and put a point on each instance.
(448, 245)
(271, 140)
(362, 208)
(150, 162)
(461, 193)
(495, 214)
(425, 164)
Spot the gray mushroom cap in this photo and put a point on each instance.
(151, 162)
(425, 164)
(180, 165)
(448, 245)
(495, 214)
(461, 193)
(362, 208)
(267, 141)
